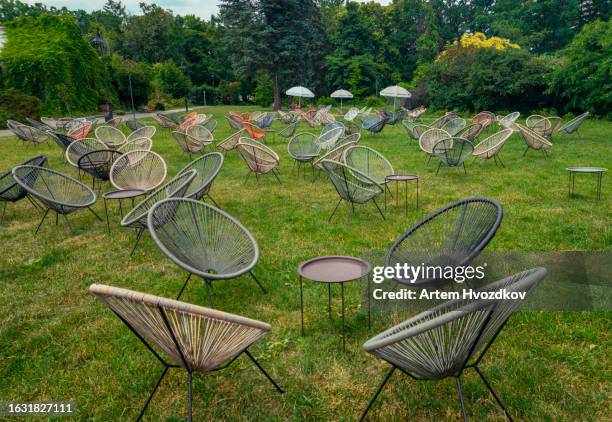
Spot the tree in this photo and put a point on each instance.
(171, 80)
(585, 77)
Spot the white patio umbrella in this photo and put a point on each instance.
(299, 91)
(342, 94)
(395, 92)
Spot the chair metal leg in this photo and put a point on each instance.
(458, 381)
(276, 175)
(152, 393)
(263, 371)
(335, 209)
(213, 201)
(138, 236)
(106, 213)
(184, 285)
(497, 399)
(379, 210)
(439, 165)
(41, 221)
(257, 281)
(373, 399)
(69, 225)
(94, 213)
(526, 150)
(190, 396)
(3, 211)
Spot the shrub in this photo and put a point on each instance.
(585, 80)
(324, 101)
(139, 74)
(48, 57)
(229, 92)
(374, 101)
(15, 105)
(171, 80)
(263, 95)
(480, 75)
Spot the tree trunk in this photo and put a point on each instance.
(277, 100)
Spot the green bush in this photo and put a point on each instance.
(47, 57)
(324, 101)
(374, 101)
(171, 80)
(229, 92)
(585, 78)
(264, 92)
(15, 105)
(475, 79)
(138, 74)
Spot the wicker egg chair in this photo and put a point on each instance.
(139, 169)
(142, 144)
(81, 147)
(110, 135)
(259, 158)
(534, 140)
(492, 145)
(429, 138)
(368, 161)
(231, 141)
(452, 152)
(11, 191)
(207, 168)
(142, 132)
(454, 126)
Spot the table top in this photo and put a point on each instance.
(401, 177)
(587, 169)
(334, 269)
(123, 193)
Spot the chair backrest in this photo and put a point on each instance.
(430, 137)
(253, 131)
(257, 156)
(508, 120)
(452, 236)
(138, 169)
(164, 121)
(134, 124)
(574, 124)
(210, 124)
(80, 131)
(176, 187)
(453, 151)
(537, 120)
(328, 138)
(415, 130)
(10, 190)
(234, 122)
(98, 163)
(136, 144)
(110, 135)
(202, 239)
(350, 183)
(142, 132)
(492, 144)
(192, 336)
(533, 139)
(201, 133)
(56, 190)
(303, 146)
(81, 147)
(441, 121)
(470, 132)
(63, 141)
(351, 114)
(369, 162)
(453, 126)
(289, 130)
(336, 153)
(207, 168)
(441, 341)
(484, 118)
(230, 142)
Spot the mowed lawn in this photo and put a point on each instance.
(59, 343)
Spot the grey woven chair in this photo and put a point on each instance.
(573, 125)
(415, 130)
(137, 217)
(188, 143)
(374, 124)
(352, 186)
(507, 121)
(134, 124)
(138, 169)
(329, 136)
(484, 118)
(210, 124)
(452, 152)
(231, 141)
(38, 125)
(441, 121)
(289, 130)
(201, 134)
(207, 168)
(534, 140)
(98, 164)
(452, 236)
(110, 135)
(234, 121)
(454, 126)
(369, 162)
(11, 191)
(431, 137)
(61, 140)
(470, 132)
(188, 337)
(81, 147)
(164, 121)
(303, 148)
(449, 338)
(55, 191)
(204, 241)
(52, 123)
(142, 132)
(28, 133)
(337, 153)
(492, 145)
(259, 158)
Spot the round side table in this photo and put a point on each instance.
(397, 178)
(119, 195)
(332, 270)
(599, 171)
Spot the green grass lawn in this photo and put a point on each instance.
(58, 343)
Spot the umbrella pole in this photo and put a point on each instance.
(340, 105)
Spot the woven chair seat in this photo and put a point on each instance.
(207, 168)
(533, 139)
(188, 143)
(55, 190)
(507, 121)
(441, 121)
(142, 132)
(10, 190)
(484, 118)
(137, 217)
(415, 130)
(258, 157)
(351, 114)
(430, 137)
(98, 163)
(454, 126)
(351, 185)
(335, 154)
(452, 152)
(231, 141)
(202, 134)
(452, 236)
(210, 124)
(470, 132)
(27, 133)
(233, 122)
(110, 135)
(303, 147)
(329, 137)
(61, 140)
(253, 131)
(80, 147)
(492, 144)
(573, 125)
(80, 130)
(289, 130)
(164, 121)
(368, 161)
(134, 124)
(142, 144)
(139, 169)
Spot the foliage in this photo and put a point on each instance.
(229, 92)
(483, 76)
(171, 80)
(585, 79)
(374, 101)
(48, 57)
(131, 76)
(264, 92)
(15, 105)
